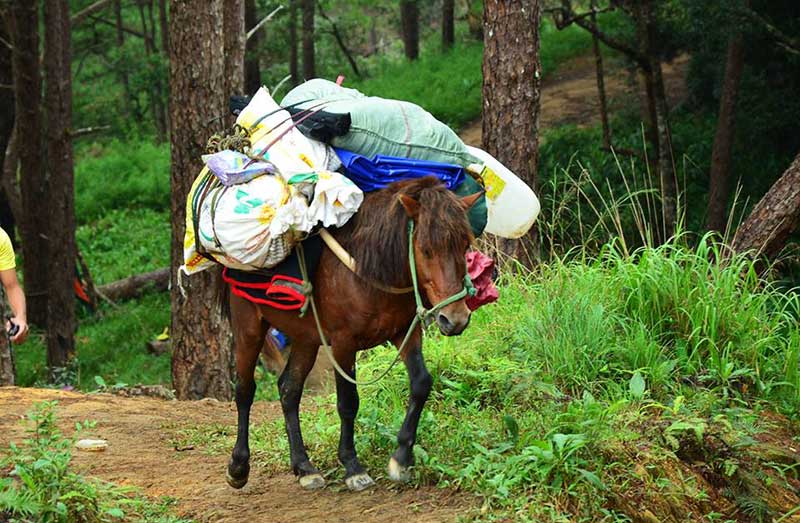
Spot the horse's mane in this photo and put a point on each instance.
(377, 236)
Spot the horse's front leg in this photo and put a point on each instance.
(355, 477)
(248, 335)
(290, 386)
(420, 384)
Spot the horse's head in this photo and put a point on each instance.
(442, 235)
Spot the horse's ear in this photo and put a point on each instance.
(409, 204)
(468, 201)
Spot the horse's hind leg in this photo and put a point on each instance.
(290, 386)
(248, 334)
(356, 478)
(420, 383)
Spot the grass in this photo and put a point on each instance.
(110, 345)
(591, 386)
(121, 175)
(124, 242)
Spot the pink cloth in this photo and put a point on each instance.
(480, 268)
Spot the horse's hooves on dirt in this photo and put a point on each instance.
(397, 472)
(359, 482)
(312, 481)
(236, 483)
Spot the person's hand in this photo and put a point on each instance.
(22, 330)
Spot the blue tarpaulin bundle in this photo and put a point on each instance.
(377, 173)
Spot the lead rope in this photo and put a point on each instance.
(421, 316)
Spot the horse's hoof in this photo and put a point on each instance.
(235, 483)
(359, 482)
(312, 481)
(397, 472)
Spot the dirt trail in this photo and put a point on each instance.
(141, 453)
(570, 95)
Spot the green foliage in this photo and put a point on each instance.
(43, 487)
(125, 242)
(121, 175)
(110, 345)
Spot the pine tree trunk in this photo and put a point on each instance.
(7, 216)
(511, 90)
(409, 20)
(601, 83)
(123, 73)
(33, 189)
(448, 24)
(61, 209)
(202, 362)
(774, 218)
(294, 67)
(252, 68)
(164, 26)
(235, 40)
(719, 176)
(309, 69)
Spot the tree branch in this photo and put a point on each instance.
(788, 43)
(77, 133)
(339, 40)
(263, 21)
(568, 17)
(128, 30)
(83, 14)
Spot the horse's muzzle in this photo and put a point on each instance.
(452, 326)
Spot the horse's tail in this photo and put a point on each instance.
(223, 296)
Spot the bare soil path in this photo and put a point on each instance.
(141, 431)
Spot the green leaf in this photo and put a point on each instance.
(100, 382)
(512, 427)
(115, 512)
(637, 385)
(592, 478)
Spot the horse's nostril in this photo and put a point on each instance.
(444, 322)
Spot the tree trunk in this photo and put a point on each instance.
(601, 82)
(33, 188)
(309, 68)
(448, 24)
(252, 68)
(7, 216)
(8, 372)
(164, 26)
(659, 113)
(774, 218)
(234, 35)
(135, 285)
(61, 321)
(294, 68)
(10, 182)
(409, 20)
(202, 362)
(719, 176)
(123, 72)
(511, 89)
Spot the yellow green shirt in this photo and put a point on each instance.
(7, 259)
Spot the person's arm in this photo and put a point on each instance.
(16, 299)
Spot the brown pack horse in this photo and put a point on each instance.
(356, 315)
